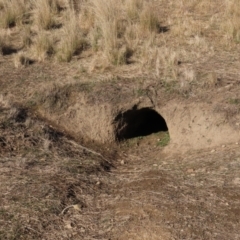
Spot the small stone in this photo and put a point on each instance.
(122, 162)
(223, 146)
(68, 225)
(236, 181)
(236, 143)
(98, 183)
(213, 151)
(82, 230)
(190, 170)
(77, 207)
(155, 165)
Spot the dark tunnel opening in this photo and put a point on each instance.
(138, 122)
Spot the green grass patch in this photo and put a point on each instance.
(164, 140)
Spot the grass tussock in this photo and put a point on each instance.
(12, 13)
(44, 12)
(21, 60)
(26, 37)
(133, 9)
(43, 46)
(3, 40)
(114, 29)
(72, 40)
(107, 16)
(148, 19)
(232, 24)
(121, 27)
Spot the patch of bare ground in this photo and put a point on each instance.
(195, 196)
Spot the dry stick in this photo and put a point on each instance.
(32, 229)
(89, 150)
(62, 212)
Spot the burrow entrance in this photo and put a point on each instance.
(138, 122)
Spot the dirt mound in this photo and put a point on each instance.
(118, 115)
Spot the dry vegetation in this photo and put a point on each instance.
(97, 25)
(52, 187)
(48, 181)
(118, 33)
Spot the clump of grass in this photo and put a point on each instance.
(12, 13)
(232, 25)
(2, 42)
(86, 18)
(120, 26)
(107, 15)
(44, 12)
(120, 56)
(234, 101)
(164, 140)
(21, 59)
(72, 41)
(43, 46)
(26, 37)
(148, 19)
(132, 36)
(133, 9)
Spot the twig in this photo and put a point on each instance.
(89, 150)
(70, 206)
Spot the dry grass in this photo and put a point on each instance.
(72, 40)
(125, 32)
(148, 19)
(21, 59)
(107, 17)
(44, 12)
(12, 13)
(232, 24)
(133, 9)
(120, 27)
(26, 37)
(43, 46)
(3, 40)
(52, 187)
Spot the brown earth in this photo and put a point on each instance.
(64, 177)
(147, 150)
